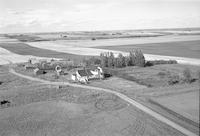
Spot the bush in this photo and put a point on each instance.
(173, 80)
(199, 76)
(91, 61)
(187, 75)
(148, 64)
(158, 62)
(162, 74)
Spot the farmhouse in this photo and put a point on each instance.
(84, 75)
(74, 78)
(97, 72)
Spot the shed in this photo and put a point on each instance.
(74, 78)
(30, 66)
(37, 71)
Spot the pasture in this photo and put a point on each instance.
(186, 104)
(6, 57)
(189, 49)
(178, 102)
(128, 41)
(25, 49)
(155, 76)
(38, 109)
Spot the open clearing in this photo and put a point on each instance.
(155, 76)
(190, 49)
(120, 95)
(61, 118)
(39, 109)
(128, 41)
(7, 40)
(25, 49)
(70, 48)
(78, 48)
(96, 52)
(6, 56)
(186, 104)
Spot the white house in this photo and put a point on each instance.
(97, 72)
(86, 74)
(83, 75)
(74, 78)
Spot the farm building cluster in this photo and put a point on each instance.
(78, 73)
(86, 74)
(41, 66)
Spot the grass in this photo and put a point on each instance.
(186, 104)
(24, 49)
(190, 49)
(177, 93)
(38, 109)
(25, 38)
(154, 76)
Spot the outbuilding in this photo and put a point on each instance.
(37, 71)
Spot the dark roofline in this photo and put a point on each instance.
(85, 72)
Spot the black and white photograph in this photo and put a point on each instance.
(99, 67)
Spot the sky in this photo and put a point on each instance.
(90, 15)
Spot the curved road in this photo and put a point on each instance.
(122, 96)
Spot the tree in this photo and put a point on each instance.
(116, 62)
(119, 60)
(199, 78)
(127, 60)
(111, 59)
(104, 59)
(139, 58)
(135, 58)
(187, 75)
(131, 58)
(94, 61)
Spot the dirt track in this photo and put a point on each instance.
(122, 96)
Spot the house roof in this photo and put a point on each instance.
(30, 65)
(93, 67)
(89, 72)
(85, 72)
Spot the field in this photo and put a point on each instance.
(185, 104)
(163, 45)
(25, 49)
(38, 109)
(176, 100)
(6, 57)
(157, 78)
(154, 76)
(190, 49)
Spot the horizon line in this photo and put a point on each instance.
(147, 29)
